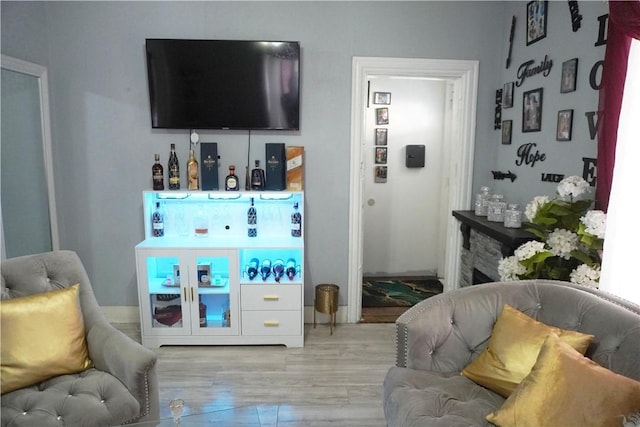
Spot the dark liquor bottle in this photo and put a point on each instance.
(174, 169)
(157, 222)
(192, 172)
(252, 268)
(265, 269)
(290, 268)
(157, 172)
(202, 309)
(278, 269)
(231, 181)
(296, 222)
(252, 220)
(257, 178)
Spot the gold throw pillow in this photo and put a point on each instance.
(513, 349)
(568, 389)
(42, 337)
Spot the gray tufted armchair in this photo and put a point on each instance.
(441, 335)
(121, 388)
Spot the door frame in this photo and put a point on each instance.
(460, 123)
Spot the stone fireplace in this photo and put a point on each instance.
(484, 243)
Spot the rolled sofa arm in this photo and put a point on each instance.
(134, 365)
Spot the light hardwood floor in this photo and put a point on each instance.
(334, 380)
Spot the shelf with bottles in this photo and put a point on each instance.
(271, 266)
(218, 217)
(164, 275)
(168, 311)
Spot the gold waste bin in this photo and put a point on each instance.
(326, 301)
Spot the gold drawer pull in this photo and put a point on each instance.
(271, 323)
(271, 298)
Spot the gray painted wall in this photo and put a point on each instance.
(104, 145)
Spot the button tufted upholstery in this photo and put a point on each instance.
(121, 388)
(438, 337)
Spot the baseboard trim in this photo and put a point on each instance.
(131, 314)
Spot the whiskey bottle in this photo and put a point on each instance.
(296, 222)
(157, 172)
(192, 172)
(231, 181)
(157, 222)
(257, 178)
(174, 169)
(252, 219)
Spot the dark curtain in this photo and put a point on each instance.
(624, 24)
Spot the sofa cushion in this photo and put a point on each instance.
(568, 389)
(513, 349)
(42, 336)
(428, 398)
(89, 398)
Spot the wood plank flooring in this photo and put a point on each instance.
(334, 380)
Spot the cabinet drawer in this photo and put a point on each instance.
(271, 297)
(271, 323)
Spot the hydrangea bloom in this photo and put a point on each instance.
(509, 268)
(529, 249)
(532, 208)
(561, 242)
(573, 186)
(595, 223)
(586, 275)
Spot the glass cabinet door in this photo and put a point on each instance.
(168, 302)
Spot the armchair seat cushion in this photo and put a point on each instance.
(90, 397)
(429, 398)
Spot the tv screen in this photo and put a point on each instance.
(224, 84)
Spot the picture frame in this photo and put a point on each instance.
(565, 125)
(507, 126)
(381, 155)
(532, 110)
(536, 21)
(569, 75)
(507, 95)
(380, 174)
(382, 116)
(382, 98)
(381, 136)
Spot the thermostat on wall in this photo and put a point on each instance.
(415, 156)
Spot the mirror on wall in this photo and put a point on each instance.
(27, 206)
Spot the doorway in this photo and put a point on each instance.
(460, 78)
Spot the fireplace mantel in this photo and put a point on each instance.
(484, 243)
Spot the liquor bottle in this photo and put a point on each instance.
(192, 172)
(231, 181)
(296, 222)
(157, 172)
(278, 269)
(291, 269)
(174, 169)
(265, 269)
(157, 222)
(257, 177)
(202, 309)
(252, 268)
(252, 220)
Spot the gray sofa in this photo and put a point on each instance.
(122, 387)
(438, 337)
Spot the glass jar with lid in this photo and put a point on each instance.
(513, 216)
(497, 206)
(482, 201)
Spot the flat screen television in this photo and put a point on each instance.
(224, 84)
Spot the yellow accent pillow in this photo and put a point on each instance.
(42, 337)
(513, 349)
(567, 389)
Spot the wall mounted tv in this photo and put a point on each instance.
(224, 84)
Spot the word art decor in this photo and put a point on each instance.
(502, 175)
(526, 156)
(551, 177)
(526, 70)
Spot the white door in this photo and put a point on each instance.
(402, 209)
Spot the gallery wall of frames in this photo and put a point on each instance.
(546, 104)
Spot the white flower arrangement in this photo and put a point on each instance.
(571, 237)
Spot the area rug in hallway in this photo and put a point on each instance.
(400, 292)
